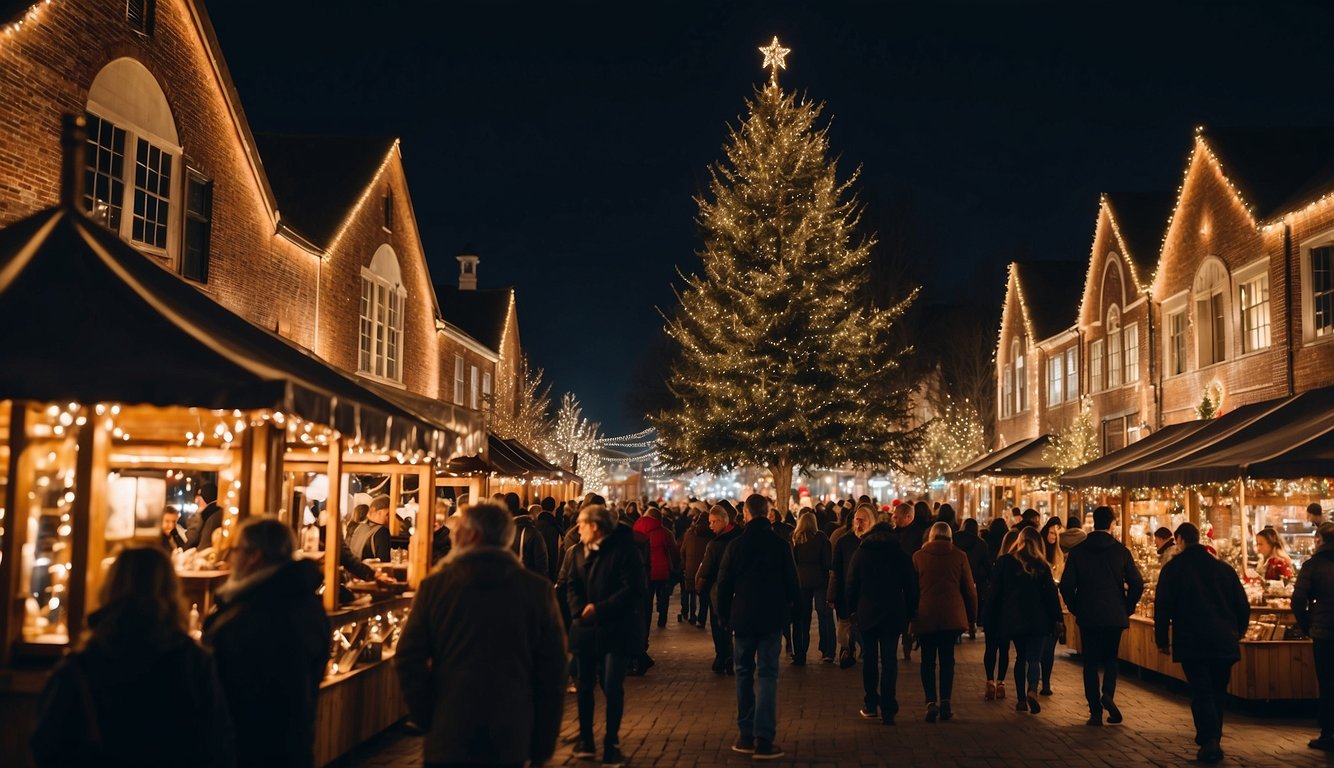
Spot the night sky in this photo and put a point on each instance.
(565, 140)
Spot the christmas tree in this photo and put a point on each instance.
(783, 359)
(530, 422)
(1074, 446)
(574, 444)
(953, 438)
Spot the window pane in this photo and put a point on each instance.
(1095, 366)
(1322, 289)
(152, 195)
(1055, 379)
(198, 227)
(1219, 330)
(1132, 352)
(472, 387)
(1255, 314)
(1114, 359)
(104, 175)
(1176, 330)
(1072, 373)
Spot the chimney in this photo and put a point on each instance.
(73, 147)
(467, 270)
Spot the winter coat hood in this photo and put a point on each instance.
(1071, 538)
(482, 567)
(647, 524)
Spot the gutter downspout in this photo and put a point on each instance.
(1287, 307)
(1154, 373)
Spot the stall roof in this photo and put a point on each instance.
(1135, 472)
(1028, 460)
(1295, 423)
(1001, 457)
(511, 457)
(1098, 472)
(94, 320)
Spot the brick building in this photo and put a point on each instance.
(1176, 305)
(312, 237)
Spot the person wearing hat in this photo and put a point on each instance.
(207, 520)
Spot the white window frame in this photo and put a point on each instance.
(122, 89)
(380, 337)
(1250, 280)
(1115, 371)
(1310, 333)
(1177, 305)
(1095, 365)
(1020, 378)
(486, 390)
(474, 391)
(1211, 293)
(458, 380)
(1072, 373)
(1055, 378)
(1130, 338)
(1007, 391)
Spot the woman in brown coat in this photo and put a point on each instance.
(694, 606)
(947, 607)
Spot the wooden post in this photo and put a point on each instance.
(16, 529)
(419, 546)
(88, 520)
(395, 498)
(260, 488)
(1245, 526)
(1125, 516)
(1193, 507)
(333, 532)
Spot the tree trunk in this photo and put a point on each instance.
(782, 473)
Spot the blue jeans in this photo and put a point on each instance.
(757, 712)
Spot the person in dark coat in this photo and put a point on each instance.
(947, 607)
(544, 519)
(208, 518)
(370, 539)
(910, 525)
(1201, 613)
(1023, 607)
(484, 623)
(102, 703)
(757, 589)
(814, 556)
(605, 592)
(1313, 607)
(270, 637)
(883, 593)
(1101, 586)
(694, 604)
(995, 532)
(528, 542)
(706, 583)
(979, 560)
(841, 562)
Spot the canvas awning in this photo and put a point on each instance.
(1292, 432)
(510, 457)
(1097, 473)
(91, 319)
(1023, 457)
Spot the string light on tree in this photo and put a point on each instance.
(784, 359)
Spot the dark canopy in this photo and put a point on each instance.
(510, 457)
(90, 319)
(1023, 457)
(1099, 471)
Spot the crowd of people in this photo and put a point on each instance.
(531, 604)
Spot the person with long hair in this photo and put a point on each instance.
(1275, 565)
(947, 606)
(1024, 607)
(136, 660)
(996, 656)
(1055, 557)
(814, 558)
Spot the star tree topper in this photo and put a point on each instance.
(774, 55)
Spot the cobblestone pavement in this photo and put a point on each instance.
(682, 715)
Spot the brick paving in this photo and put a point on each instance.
(681, 715)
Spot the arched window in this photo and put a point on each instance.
(1210, 293)
(1114, 368)
(133, 175)
(381, 329)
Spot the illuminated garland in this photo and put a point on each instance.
(29, 16)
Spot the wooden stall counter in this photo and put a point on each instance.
(1268, 670)
(360, 697)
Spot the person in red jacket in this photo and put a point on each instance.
(664, 562)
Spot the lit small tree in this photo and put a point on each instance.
(953, 437)
(1074, 446)
(531, 423)
(574, 444)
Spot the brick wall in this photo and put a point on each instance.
(1024, 424)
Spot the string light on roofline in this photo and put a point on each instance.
(29, 16)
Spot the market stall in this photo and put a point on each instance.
(129, 390)
(1014, 476)
(1254, 468)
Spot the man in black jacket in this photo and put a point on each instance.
(544, 520)
(1202, 609)
(757, 589)
(1101, 586)
(1313, 607)
(841, 563)
(207, 518)
(270, 639)
(528, 542)
(604, 588)
(882, 591)
(706, 583)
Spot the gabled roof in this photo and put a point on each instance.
(479, 313)
(318, 180)
(1139, 220)
(1274, 170)
(1051, 292)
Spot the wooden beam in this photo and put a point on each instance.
(88, 523)
(419, 546)
(333, 532)
(20, 472)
